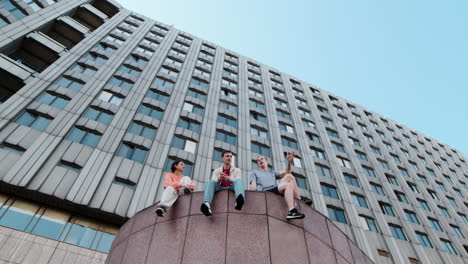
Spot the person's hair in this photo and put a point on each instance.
(174, 164)
(225, 152)
(260, 157)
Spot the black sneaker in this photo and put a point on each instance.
(205, 208)
(160, 211)
(187, 190)
(294, 214)
(239, 202)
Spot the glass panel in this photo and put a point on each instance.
(139, 155)
(76, 135)
(51, 224)
(59, 103)
(91, 139)
(18, 215)
(41, 123)
(82, 233)
(26, 119)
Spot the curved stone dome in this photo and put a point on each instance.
(259, 233)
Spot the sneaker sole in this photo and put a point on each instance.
(160, 212)
(296, 217)
(205, 210)
(239, 203)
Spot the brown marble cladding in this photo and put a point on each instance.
(259, 233)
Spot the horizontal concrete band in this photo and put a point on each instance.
(259, 233)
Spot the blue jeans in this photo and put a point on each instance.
(213, 186)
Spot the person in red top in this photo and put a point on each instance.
(227, 177)
(174, 185)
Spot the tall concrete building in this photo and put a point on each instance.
(97, 101)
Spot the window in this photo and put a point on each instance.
(106, 48)
(260, 149)
(329, 190)
(3, 22)
(84, 69)
(435, 224)
(313, 137)
(227, 120)
(132, 152)
(289, 142)
(34, 120)
(369, 171)
(401, 197)
(423, 179)
(377, 188)
(96, 58)
(200, 83)
(433, 194)
(338, 147)
(386, 209)
(444, 211)
(142, 129)
(424, 240)
(228, 106)
(423, 204)
(309, 124)
(285, 127)
(149, 110)
(84, 136)
(258, 132)
(368, 223)
(70, 166)
(121, 83)
(413, 187)
(196, 94)
(452, 201)
(169, 72)
(193, 108)
(13, 9)
(57, 225)
(158, 95)
(226, 137)
(359, 200)
(375, 150)
(318, 153)
(164, 83)
(189, 124)
(98, 114)
(448, 246)
(411, 216)
(354, 141)
(403, 172)
(457, 231)
(173, 62)
(336, 214)
(257, 117)
(391, 179)
(361, 155)
(256, 93)
(283, 114)
(280, 103)
(344, 162)
(332, 133)
(383, 164)
(397, 231)
(12, 148)
(53, 99)
(351, 180)
(327, 121)
(256, 104)
(111, 98)
(229, 94)
(323, 170)
(184, 144)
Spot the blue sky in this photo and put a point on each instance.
(407, 60)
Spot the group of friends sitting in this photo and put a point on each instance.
(228, 177)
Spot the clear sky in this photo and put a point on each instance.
(404, 59)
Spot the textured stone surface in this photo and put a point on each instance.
(259, 233)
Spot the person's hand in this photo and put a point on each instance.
(222, 176)
(192, 187)
(290, 156)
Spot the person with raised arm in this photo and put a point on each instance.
(264, 179)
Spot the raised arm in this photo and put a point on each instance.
(252, 181)
(289, 157)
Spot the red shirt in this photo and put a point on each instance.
(228, 182)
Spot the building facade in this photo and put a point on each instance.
(97, 101)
